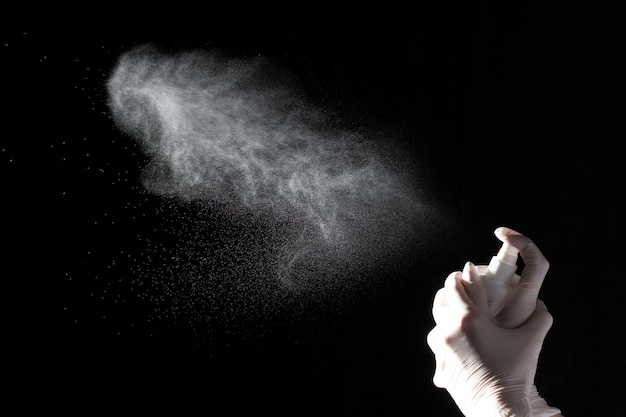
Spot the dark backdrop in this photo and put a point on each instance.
(516, 114)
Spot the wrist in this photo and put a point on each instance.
(540, 407)
(491, 399)
(509, 403)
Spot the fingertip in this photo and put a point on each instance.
(466, 274)
(504, 232)
(470, 272)
(473, 271)
(452, 278)
(522, 243)
(501, 232)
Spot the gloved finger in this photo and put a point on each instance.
(439, 377)
(451, 279)
(535, 264)
(439, 305)
(435, 341)
(474, 287)
(455, 295)
(539, 323)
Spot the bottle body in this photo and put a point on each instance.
(498, 279)
(499, 276)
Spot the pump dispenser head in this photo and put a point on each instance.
(507, 254)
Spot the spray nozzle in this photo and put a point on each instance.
(507, 254)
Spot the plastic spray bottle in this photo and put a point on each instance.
(499, 276)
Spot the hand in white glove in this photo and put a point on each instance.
(487, 367)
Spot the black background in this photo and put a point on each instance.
(517, 116)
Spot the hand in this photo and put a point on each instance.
(488, 363)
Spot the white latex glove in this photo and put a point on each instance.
(487, 366)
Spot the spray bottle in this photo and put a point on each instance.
(499, 276)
